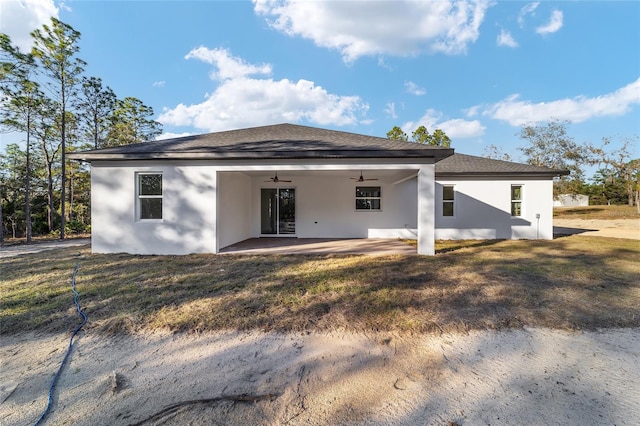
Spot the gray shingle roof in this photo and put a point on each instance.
(468, 165)
(289, 141)
(281, 141)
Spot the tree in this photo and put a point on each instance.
(72, 168)
(20, 96)
(421, 135)
(439, 138)
(131, 123)
(46, 133)
(495, 153)
(635, 166)
(397, 133)
(56, 47)
(19, 114)
(607, 188)
(12, 177)
(13, 64)
(96, 107)
(618, 164)
(550, 146)
(39, 95)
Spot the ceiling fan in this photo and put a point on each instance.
(361, 178)
(275, 179)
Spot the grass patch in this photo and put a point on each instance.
(569, 283)
(596, 212)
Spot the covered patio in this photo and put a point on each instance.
(368, 246)
(210, 193)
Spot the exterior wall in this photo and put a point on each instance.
(234, 208)
(325, 207)
(189, 210)
(483, 210)
(199, 195)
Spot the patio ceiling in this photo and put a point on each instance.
(387, 175)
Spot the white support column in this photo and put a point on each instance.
(215, 212)
(426, 210)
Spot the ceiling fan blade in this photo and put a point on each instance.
(362, 179)
(276, 179)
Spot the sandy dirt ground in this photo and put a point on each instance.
(518, 377)
(614, 228)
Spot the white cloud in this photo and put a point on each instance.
(473, 111)
(390, 110)
(19, 18)
(383, 64)
(518, 112)
(506, 39)
(554, 24)
(63, 6)
(241, 101)
(228, 67)
(361, 28)
(528, 9)
(414, 89)
(170, 135)
(158, 83)
(456, 128)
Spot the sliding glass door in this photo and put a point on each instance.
(278, 211)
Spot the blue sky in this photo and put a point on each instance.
(476, 69)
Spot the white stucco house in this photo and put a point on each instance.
(199, 194)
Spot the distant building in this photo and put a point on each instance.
(571, 200)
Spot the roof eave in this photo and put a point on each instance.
(504, 175)
(436, 154)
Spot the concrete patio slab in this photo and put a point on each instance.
(369, 246)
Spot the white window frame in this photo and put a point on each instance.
(368, 198)
(514, 200)
(140, 197)
(452, 201)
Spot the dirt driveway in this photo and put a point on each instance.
(514, 377)
(615, 228)
(20, 249)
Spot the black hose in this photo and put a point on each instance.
(66, 356)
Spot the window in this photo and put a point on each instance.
(516, 200)
(448, 200)
(368, 197)
(150, 196)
